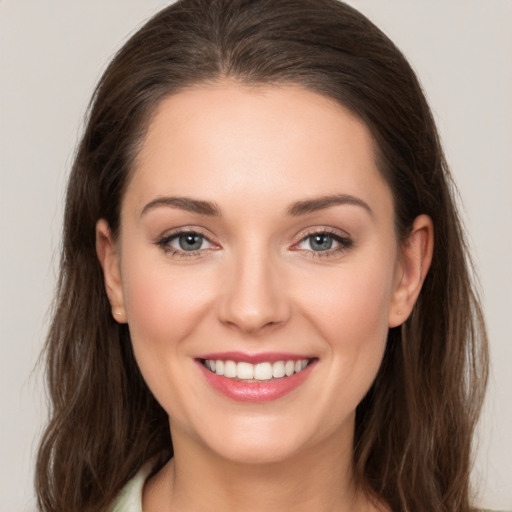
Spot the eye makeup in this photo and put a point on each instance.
(317, 243)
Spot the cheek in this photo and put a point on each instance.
(352, 317)
(163, 303)
(349, 309)
(350, 306)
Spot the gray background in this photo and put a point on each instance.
(51, 55)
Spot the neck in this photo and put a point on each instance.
(196, 479)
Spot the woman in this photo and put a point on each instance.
(264, 299)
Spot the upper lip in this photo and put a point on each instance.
(254, 358)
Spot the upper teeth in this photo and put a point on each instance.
(260, 371)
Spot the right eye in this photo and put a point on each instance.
(185, 242)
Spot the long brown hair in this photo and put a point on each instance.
(414, 427)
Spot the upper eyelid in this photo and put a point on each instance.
(184, 230)
(325, 229)
(173, 236)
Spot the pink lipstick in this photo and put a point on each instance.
(252, 377)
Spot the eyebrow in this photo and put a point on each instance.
(323, 202)
(295, 210)
(184, 203)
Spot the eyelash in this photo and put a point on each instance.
(164, 244)
(344, 244)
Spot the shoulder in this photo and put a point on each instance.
(129, 498)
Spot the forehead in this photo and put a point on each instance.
(229, 141)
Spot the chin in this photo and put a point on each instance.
(263, 442)
(257, 451)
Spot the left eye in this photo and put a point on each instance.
(320, 242)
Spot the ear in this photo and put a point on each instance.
(414, 261)
(109, 259)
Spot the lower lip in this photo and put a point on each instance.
(263, 391)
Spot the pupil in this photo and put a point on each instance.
(190, 242)
(321, 242)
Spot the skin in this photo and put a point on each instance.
(258, 285)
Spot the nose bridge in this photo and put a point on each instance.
(253, 296)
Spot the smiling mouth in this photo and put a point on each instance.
(247, 372)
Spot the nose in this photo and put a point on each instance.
(254, 297)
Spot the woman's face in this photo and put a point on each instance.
(256, 231)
